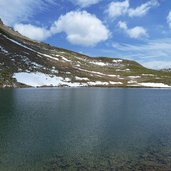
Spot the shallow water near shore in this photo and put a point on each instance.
(83, 129)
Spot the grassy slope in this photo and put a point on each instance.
(22, 59)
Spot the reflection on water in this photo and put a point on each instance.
(85, 129)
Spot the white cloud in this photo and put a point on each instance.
(122, 25)
(151, 45)
(86, 3)
(81, 28)
(152, 53)
(169, 19)
(136, 32)
(116, 9)
(14, 11)
(142, 9)
(32, 32)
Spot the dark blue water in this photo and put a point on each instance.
(85, 129)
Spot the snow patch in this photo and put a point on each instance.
(123, 70)
(48, 56)
(117, 61)
(14, 41)
(36, 65)
(98, 73)
(78, 65)
(134, 77)
(157, 85)
(68, 72)
(132, 82)
(3, 50)
(115, 83)
(117, 76)
(151, 75)
(105, 63)
(54, 71)
(38, 79)
(67, 79)
(20, 44)
(97, 83)
(99, 63)
(94, 72)
(65, 59)
(81, 78)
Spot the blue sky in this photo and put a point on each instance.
(133, 29)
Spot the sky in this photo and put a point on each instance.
(137, 30)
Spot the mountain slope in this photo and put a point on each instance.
(24, 62)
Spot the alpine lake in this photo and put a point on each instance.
(85, 129)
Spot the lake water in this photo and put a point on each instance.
(85, 129)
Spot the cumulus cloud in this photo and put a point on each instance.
(81, 28)
(136, 32)
(169, 19)
(86, 3)
(32, 32)
(116, 9)
(13, 11)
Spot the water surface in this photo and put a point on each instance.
(85, 129)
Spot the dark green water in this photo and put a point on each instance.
(85, 129)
